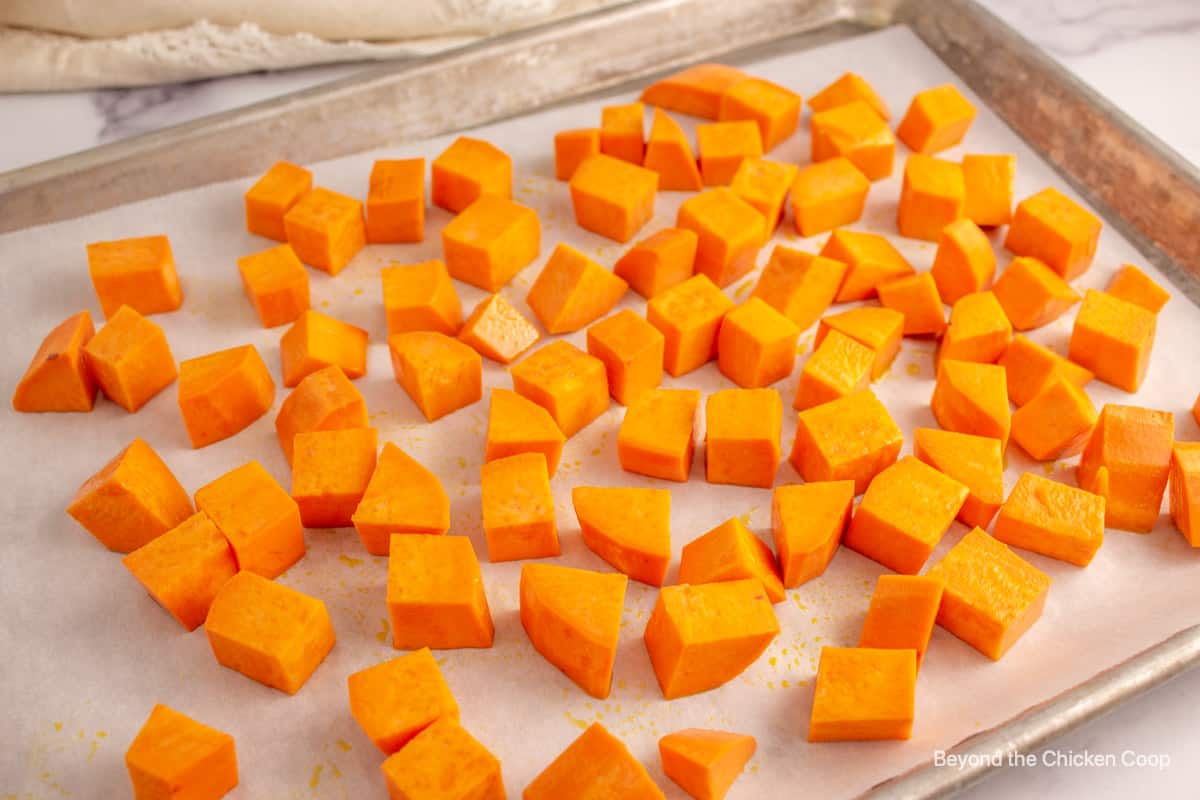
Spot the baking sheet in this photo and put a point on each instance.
(88, 652)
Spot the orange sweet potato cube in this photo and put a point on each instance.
(612, 197)
(258, 517)
(917, 298)
(139, 273)
(988, 181)
(764, 185)
(518, 425)
(828, 195)
(658, 262)
(863, 694)
(977, 462)
(902, 613)
(756, 345)
(964, 262)
(807, 522)
(696, 91)
(316, 341)
(497, 330)
(880, 329)
(491, 241)
(851, 438)
(979, 330)
(1112, 338)
(175, 756)
(58, 378)
(323, 401)
(272, 196)
(970, 397)
(933, 196)
(992, 595)
(623, 132)
(730, 552)
(595, 764)
(741, 439)
(799, 285)
(1054, 229)
(394, 700)
(402, 497)
(1055, 423)
(632, 351)
(269, 632)
(870, 260)
(854, 130)
(567, 382)
(572, 291)
(723, 146)
(1135, 286)
(730, 232)
(689, 316)
(705, 763)
(1032, 294)
(130, 359)
(1030, 367)
(905, 512)
(571, 148)
(838, 366)
(439, 373)
(396, 201)
(326, 229)
(1131, 446)
(774, 109)
(444, 756)
(435, 594)
(330, 473)
(1052, 519)
(936, 119)
(468, 169)
(276, 283)
(846, 89)
(223, 392)
(184, 568)
(627, 527)
(420, 297)
(669, 153)
(518, 508)
(1185, 490)
(656, 437)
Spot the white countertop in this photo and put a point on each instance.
(1144, 56)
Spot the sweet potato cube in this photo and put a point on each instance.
(932, 196)
(705, 763)
(395, 700)
(184, 568)
(902, 613)
(518, 509)
(57, 378)
(658, 262)
(799, 285)
(807, 522)
(774, 109)
(669, 153)
(491, 241)
(276, 283)
(325, 400)
(1112, 338)
(906, 510)
(612, 197)
(632, 351)
(396, 201)
(854, 130)
(518, 425)
(258, 517)
(656, 436)
(330, 473)
(1032, 294)
(689, 316)
(870, 260)
(175, 756)
(1055, 423)
(917, 298)
(977, 462)
(272, 196)
(828, 195)
(730, 552)
(764, 185)
(1132, 446)
(1135, 286)
(567, 382)
(756, 345)
(498, 331)
(130, 359)
(992, 595)
(628, 528)
(572, 291)
(597, 764)
(851, 438)
(880, 329)
(573, 618)
(964, 262)
(468, 169)
(223, 392)
(139, 273)
(326, 229)
(402, 496)
(1185, 490)
(863, 694)
(1030, 367)
(443, 762)
(435, 595)
(571, 148)
(847, 89)
(936, 120)
(723, 146)
(269, 632)
(622, 132)
(741, 440)
(730, 232)
(1054, 229)
(420, 297)
(989, 184)
(1053, 519)
(316, 341)
(695, 91)
(439, 373)
(979, 330)
(969, 397)
(132, 500)
(703, 636)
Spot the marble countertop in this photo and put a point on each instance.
(1142, 55)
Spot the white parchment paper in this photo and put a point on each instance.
(85, 652)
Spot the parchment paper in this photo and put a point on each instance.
(86, 652)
